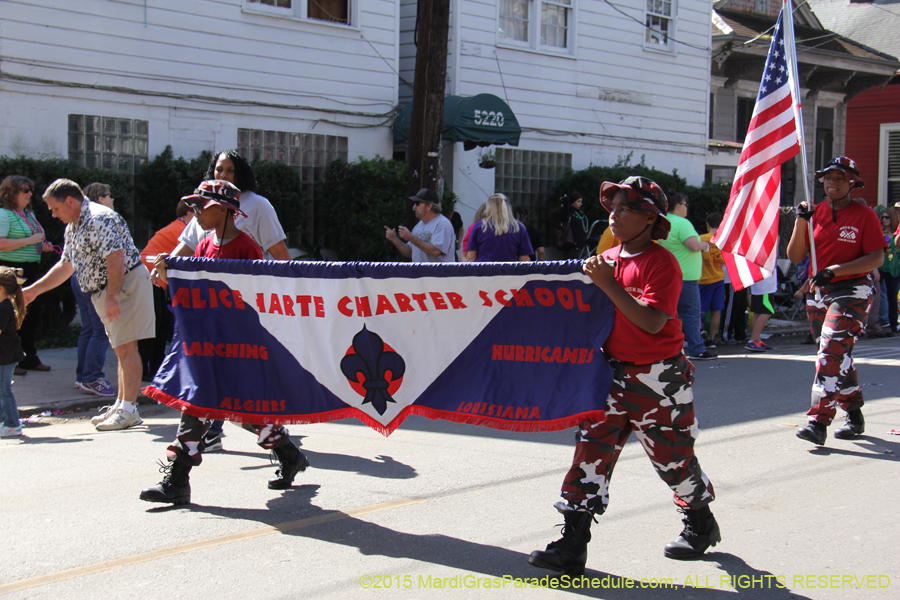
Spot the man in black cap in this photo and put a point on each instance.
(432, 239)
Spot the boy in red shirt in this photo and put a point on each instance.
(215, 203)
(651, 391)
(849, 245)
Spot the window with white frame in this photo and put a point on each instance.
(660, 23)
(553, 31)
(334, 11)
(108, 143)
(890, 163)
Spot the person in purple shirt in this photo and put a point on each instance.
(498, 237)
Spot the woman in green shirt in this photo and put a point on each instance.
(21, 243)
(890, 269)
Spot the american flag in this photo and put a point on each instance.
(748, 235)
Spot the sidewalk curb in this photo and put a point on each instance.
(86, 404)
(53, 391)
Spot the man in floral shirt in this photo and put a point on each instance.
(101, 253)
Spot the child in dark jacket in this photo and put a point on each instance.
(11, 317)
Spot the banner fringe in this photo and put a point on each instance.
(385, 430)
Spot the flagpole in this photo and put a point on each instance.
(791, 50)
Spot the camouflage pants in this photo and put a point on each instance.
(188, 445)
(655, 402)
(837, 320)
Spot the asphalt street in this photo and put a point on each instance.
(442, 510)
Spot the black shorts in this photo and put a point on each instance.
(761, 304)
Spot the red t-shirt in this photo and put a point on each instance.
(856, 233)
(654, 277)
(241, 247)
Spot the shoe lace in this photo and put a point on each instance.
(688, 531)
(569, 534)
(166, 469)
(274, 460)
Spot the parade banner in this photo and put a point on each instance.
(512, 346)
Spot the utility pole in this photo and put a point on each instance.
(427, 118)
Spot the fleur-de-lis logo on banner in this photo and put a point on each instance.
(373, 369)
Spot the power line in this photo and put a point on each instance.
(385, 117)
(181, 80)
(397, 73)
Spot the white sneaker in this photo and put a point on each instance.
(120, 419)
(105, 411)
(10, 431)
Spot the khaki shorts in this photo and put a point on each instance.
(137, 321)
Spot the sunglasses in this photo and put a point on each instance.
(25, 190)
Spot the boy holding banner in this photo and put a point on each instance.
(651, 390)
(215, 203)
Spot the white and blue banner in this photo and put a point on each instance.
(508, 345)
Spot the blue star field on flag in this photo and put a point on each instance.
(776, 74)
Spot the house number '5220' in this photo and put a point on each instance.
(490, 119)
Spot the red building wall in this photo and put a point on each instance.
(865, 113)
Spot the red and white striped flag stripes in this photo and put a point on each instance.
(748, 235)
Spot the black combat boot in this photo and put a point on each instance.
(291, 461)
(700, 532)
(813, 432)
(853, 426)
(175, 488)
(569, 553)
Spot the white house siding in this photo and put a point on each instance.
(611, 96)
(407, 50)
(613, 91)
(197, 70)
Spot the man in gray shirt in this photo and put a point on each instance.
(432, 239)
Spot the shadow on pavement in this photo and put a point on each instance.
(381, 466)
(869, 447)
(486, 566)
(48, 440)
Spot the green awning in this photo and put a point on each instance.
(480, 120)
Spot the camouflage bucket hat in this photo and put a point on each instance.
(640, 194)
(216, 191)
(848, 166)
